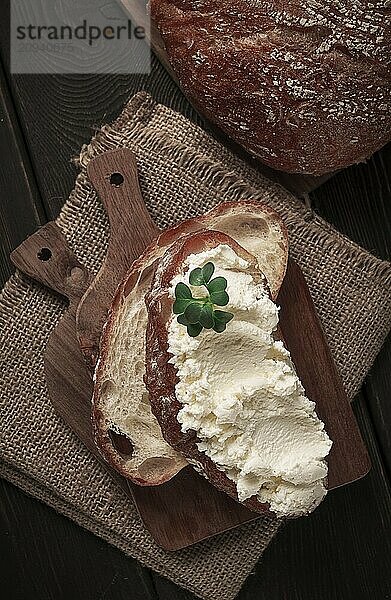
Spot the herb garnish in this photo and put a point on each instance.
(197, 313)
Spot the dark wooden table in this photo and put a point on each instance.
(343, 550)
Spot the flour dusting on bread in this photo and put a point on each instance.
(305, 85)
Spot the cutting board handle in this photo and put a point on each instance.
(47, 258)
(114, 177)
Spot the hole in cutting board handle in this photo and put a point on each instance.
(116, 179)
(44, 254)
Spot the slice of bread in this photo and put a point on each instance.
(126, 432)
(161, 375)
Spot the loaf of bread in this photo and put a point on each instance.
(305, 86)
(126, 432)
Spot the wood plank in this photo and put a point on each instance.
(132, 230)
(45, 555)
(348, 459)
(377, 390)
(21, 210)
(358, 202)
(60, 113)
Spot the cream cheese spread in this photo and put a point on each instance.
(241, 394)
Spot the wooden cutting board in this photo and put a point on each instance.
(187, 509)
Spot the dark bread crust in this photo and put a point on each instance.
(212, 220)
(161, 376)
(305, 86)
(144, 267)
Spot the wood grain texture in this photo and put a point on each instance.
(202, 511)
(68, 381)
(188, 509)
(60, 113)
(377, 391)
(21, 211)
(348, 459)
(46, 556)
(46, 257)
(358, 202)
(114, 176)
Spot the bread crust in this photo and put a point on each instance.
(100, 430)
(144, 267)
(161, 375)
(305, 86)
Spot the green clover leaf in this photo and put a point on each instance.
(207, 271)
(193, 312)
(182, 320)
(182, 291)
(194, 329)
(180, 305)
(224, 317)
(200, 276)
(199, 313)
(221, 319)
(219, 327)
(219, 298)
(218, 284)
(206, 316)
(183, 297)
(196, 277)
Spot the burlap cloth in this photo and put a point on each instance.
(182, 172)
